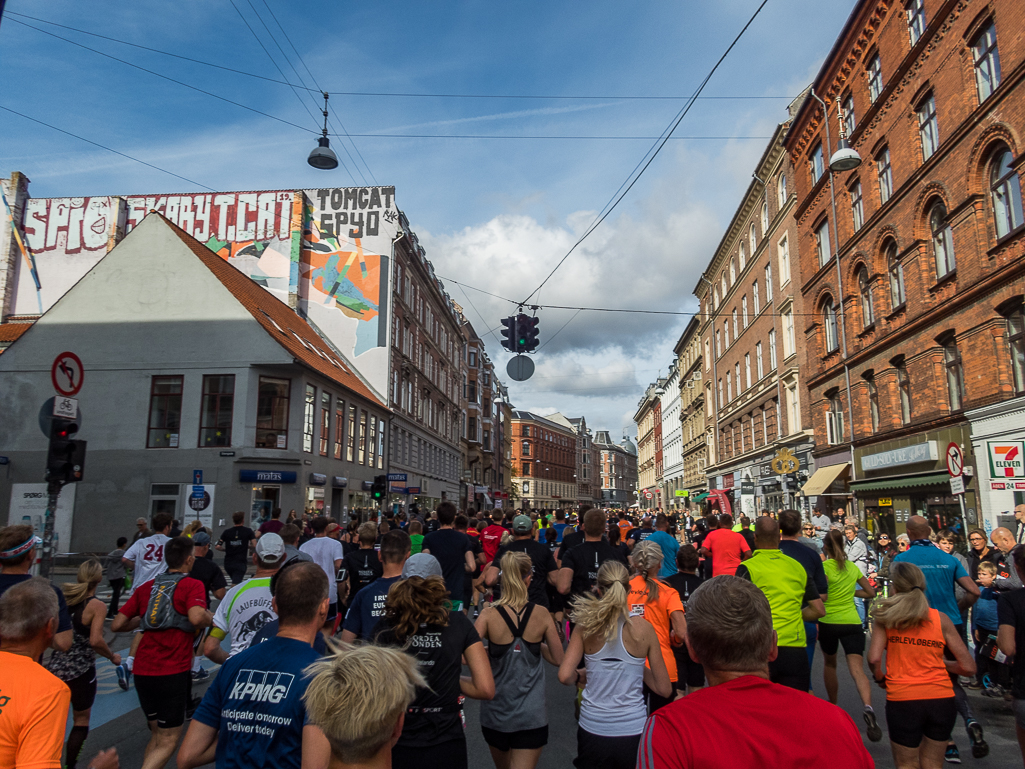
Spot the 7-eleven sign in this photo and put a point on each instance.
(1006, 459)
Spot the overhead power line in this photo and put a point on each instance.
(544, 137)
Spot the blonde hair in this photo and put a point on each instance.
(516, 567)
(988, 567)
(367, 533)
(600, 616)
(909, 607)
(357, 695)
(90, 574)
(646, 556)
(191, 529)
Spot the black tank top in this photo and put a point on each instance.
(497, 651)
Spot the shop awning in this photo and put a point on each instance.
(823, 478)
(913, 481)
(701, 497)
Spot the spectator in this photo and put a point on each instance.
(978, 552)
(1007, 575)
(821, 522)
(17, 550)
(164, 656)
(221, 728)
(359, 699)
(985, 627)
(1011, 638)
(236, 542)
(141, 530)
(367, 605)
(730, 631)
(667, 542)
(116, 575)
(273, 526)
(452, 549)
(808, 538)
(328, 554)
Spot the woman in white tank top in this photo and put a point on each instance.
(613, 648)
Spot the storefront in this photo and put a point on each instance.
(998, 442)
(766, 482)
(898, 479)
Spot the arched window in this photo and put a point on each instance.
(873, 399)
(716, 293)
(1005, 189)
(829, 324)
(868, 313)
(834, 418)
(752, 237)
(526, 448)
(904, 388)
(743, 257)
(942, 239)
(781, 190)
(765, 217)
(1015, 316)
(733, 271)
(724, 285)
(896, 272)
(955, 373)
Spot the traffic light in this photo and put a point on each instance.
(527, 337)
(509, 332)
(380, 486)
(65, 458)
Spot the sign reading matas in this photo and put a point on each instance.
(1005, 459)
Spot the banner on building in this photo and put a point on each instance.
(1005, 459)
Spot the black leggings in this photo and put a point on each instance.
(448, 755)
(116, 586)
(597, 752)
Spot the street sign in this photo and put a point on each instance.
(648, 495)
(46, 417)
(412, 489)
(396, 476)
(520, 368)
(955, 463)
(956, 484)
(66, 373)
(197, 477)
(885, 502)
(65, 408)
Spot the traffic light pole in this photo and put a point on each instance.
(53, 490)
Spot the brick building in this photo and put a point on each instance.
(750, 311)
(618, 470)
(913, 311)
(694, 445)
(481, 428)
(649, 447)
(544, 453)
(586, 478)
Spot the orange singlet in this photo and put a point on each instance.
(914, 662)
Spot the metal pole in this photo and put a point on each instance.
(53, 490)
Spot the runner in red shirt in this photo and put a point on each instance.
(727, 548)
(491, 537)
(729, 631)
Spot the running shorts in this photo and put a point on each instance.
(851, 637)
(791, 668)
(164, 698)
(83, 690)
(597, 752)
(908, 721)
(447, 755)
(689, 673)
(525, 739)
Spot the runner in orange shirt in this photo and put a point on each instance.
(660, 604)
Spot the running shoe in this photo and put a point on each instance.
(200, 675)
(874, 732)
(980, 748)
(952, 756)
(973, 684)
(123, 676)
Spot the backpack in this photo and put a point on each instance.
(160, 612)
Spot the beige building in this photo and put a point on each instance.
(692, 412)
(649, 450)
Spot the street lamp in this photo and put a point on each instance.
(322, 156)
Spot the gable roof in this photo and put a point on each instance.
(9, 332)
(278, 320)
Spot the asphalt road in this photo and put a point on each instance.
(118, 722)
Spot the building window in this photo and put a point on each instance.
(789, 346)
(308, 415)
(987, 61)
(735, 326)
(857, 206)
(716, 295)
(781, 190)
(754, 296)
(904, 389)
(928, 128)
(875, 78)
(772, 350)
(371, 434)
(361, 441)
(526, 449)
(526, 469)
(847, 108)
(325, 422)
(218, 405)
(1016, 346)
(743, 310)
(747, 370)
(915, 12)
(768, 283)
(472, 359)
(729, 387)
(165, 412)
(272, 413)
(829, 325)
(868, 313)
(743, 257)
(487, 440)
(380, 443)
(834, 420)
(817, 163)
(873, 400)
(783, 251)
(526, 431)
(718, 344)
(793, 410)
(942, 240)
(884, 173)
(765, 217)
(708, 356)
(721, 401)
(895, 268)
(822, 242)
(758, 360)
(752, 237)
(726, 332)
(339, 427)
(350, 449)
(740, 387)
(955, 373)
(1005, 189)
(733, 271)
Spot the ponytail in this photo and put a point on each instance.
(647, 556)
(600, 616)
(909, 607)
(834, 547)
(90, 574)
(516, 567)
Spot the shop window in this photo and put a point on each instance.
(272, 405)
(1005, 190)
(165, 412)
(218, 405)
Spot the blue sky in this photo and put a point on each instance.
(492, 212)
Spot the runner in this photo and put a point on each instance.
(416, 536)
(1011, 638)
(290, 535)
(164, 656)
(579, 572)
(77, 666)
(545, 569)
(247, 607)
(613, 647)
(115, 575)
(667, 542)
(842, 625)
(916, 640)
(660, 605)
(741, 720)
(560, 525)
(367, 605)
(146, 556)
(362, 566)
(790, 544)
(17, 551)
(235, 543)
(689, 674)
(417, 617)
(640, 534)
(452, 549)
(793, 598)
(727, 548)
(519, 633)
(491, 536)
(328, 554)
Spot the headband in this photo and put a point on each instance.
(24, 547)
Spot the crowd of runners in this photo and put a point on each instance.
(689, 641)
